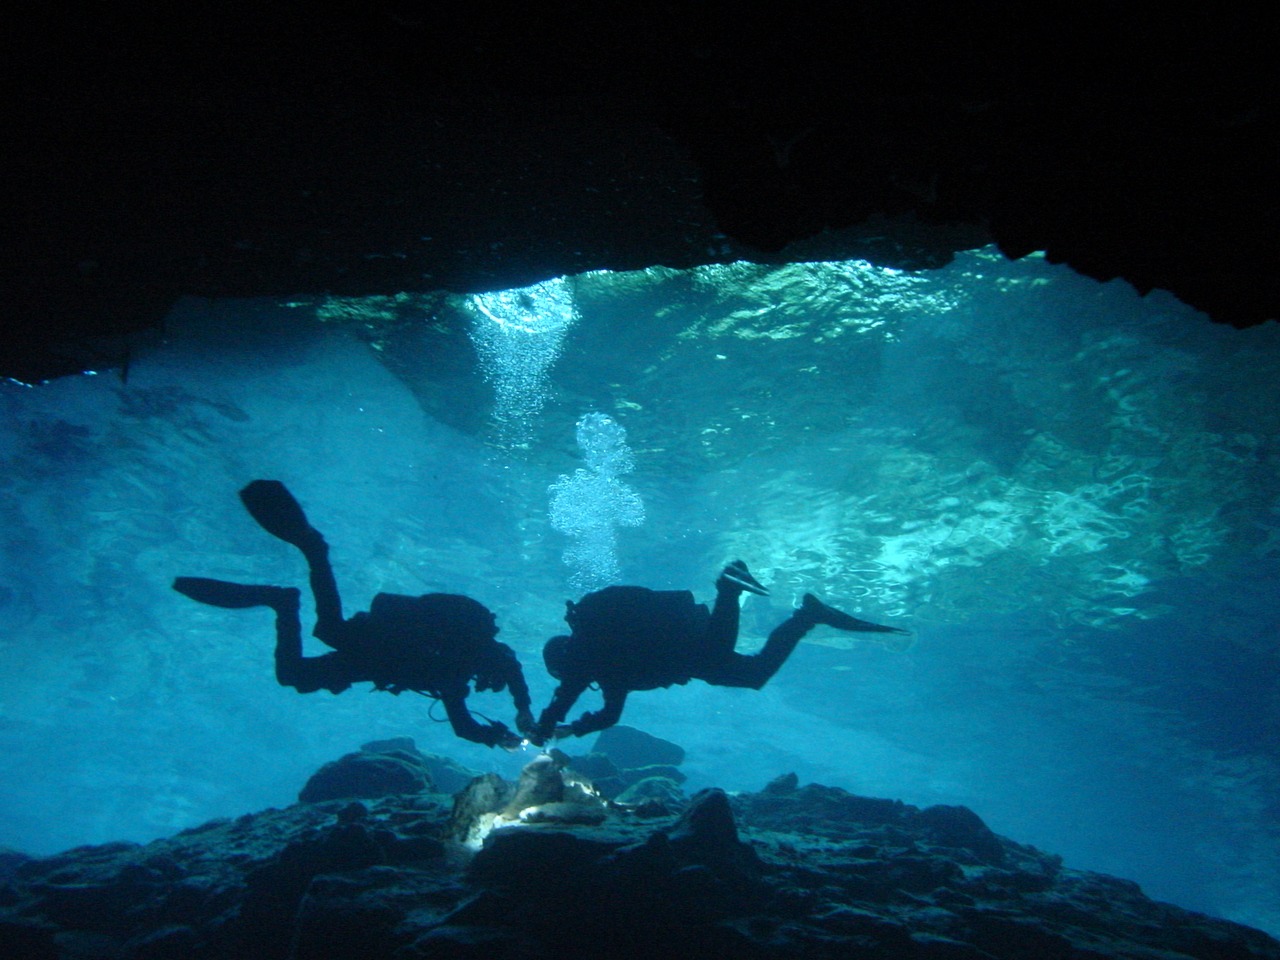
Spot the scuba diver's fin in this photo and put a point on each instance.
(235, 596)
(278, 513)
(737, 574)
(819, 612)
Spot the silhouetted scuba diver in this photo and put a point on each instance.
(434, 644)
(633, 638)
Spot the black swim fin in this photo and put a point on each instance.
(235, 596)
(277, 512)
(738, 574)
(819, 612)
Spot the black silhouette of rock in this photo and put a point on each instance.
(10, 860)
(623, 756)
(1126, 142)
(789, 872)
(382, 768)
(660, 789)
(368, 776)
(447, 774)
(633, 775)
(630, 748)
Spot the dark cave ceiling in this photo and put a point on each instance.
(156, 151)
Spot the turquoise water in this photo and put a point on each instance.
(1068, 494)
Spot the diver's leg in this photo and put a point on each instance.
(231, 596)
(324, 588)
(304, 674)
(271, 504)
(755, 671)
(289, 669)
(722, 630)
(737, 670)
(307, 674)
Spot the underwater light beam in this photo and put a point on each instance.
(518, 335)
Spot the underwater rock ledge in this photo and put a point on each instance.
(789, 872)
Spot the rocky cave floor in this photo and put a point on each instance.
(396, 854)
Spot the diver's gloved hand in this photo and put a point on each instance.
(564, 730)
(536, 737)
(500, 735)
(541, 732)
(525, 723)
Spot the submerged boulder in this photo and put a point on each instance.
(384, 768)
(365, 775)
(447, 774)
(623, 756)
(540, 782)
(629, 748)
(661, 790)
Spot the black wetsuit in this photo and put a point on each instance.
(633, 638)
(436, 644)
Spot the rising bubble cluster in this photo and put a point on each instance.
(589, 505)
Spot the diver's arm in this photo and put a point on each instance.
(520, 696)
(512, 676)
(615, 698)
(466, 727)
(562, 701)
(271, 504)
